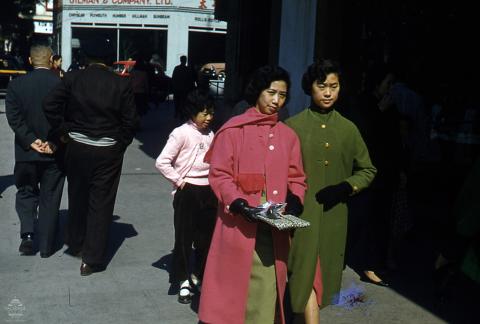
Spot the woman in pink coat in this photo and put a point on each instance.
(253, 159)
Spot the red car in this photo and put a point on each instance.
(123, 68)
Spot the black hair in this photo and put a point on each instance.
(318, 71)
(197, 101)
(262, 78)
(56, 57)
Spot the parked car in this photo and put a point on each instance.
(123, 68)
(160, 84)
(213, 71)
(212, 76)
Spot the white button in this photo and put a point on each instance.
(271, 147)
(275, 192)
(270, 135)
(323, 126)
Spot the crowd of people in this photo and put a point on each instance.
(330, 166)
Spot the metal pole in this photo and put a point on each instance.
(118, 44)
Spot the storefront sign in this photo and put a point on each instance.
(43, 27)
(118, 16)
(198, 4)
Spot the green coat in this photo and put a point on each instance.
(333, 151)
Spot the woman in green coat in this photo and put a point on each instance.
(337, 165)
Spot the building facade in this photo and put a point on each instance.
(142, 28)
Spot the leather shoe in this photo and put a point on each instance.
(26, 246)
(380, 283)
(85, 269)
(185, 293)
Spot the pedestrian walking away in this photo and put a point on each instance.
(183, 81)
(93, 111)
(38, 175)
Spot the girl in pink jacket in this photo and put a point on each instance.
(253, 158)
(182, 163)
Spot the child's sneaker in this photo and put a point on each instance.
(184, 295)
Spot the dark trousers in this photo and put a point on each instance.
(93, 175)
(40, 186)
(195, 210)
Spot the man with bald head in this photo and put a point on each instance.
(38, 177)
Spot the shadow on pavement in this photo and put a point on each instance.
(164, 263)
(118, 233)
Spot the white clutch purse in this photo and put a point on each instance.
(272, 214)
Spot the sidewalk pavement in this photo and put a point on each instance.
(134, 287)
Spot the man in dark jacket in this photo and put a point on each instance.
(38, 177)
(183, 81)
(93, 111)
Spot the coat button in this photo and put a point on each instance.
(326, 163)
(327, 145)
(271, 147)
(270, 135)
(323, 126)
(275, 192)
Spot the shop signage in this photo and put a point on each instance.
(117, 15)
(198, 4)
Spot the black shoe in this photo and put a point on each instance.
(380, 283)
(185, 294)
(86, 270)
(184, 299)
(26, 247)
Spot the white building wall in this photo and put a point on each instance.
(66, 45)
(177, 40)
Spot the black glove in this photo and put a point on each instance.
(332, 195)
(240, 206)
(294, 205)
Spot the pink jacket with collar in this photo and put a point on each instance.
(185, 144)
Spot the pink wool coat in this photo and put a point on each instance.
(227, 274)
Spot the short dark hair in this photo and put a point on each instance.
(56, 57)
(319, 71)
(262, 78)
(197, 101)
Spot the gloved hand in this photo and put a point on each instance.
(240, 206)
(294, 204)
(332, 195)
